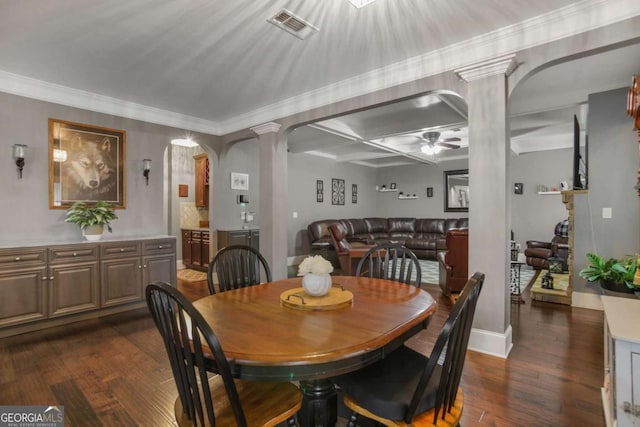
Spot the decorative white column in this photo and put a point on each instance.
(273, 197)
(489, 206)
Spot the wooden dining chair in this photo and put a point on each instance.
(194, 352)
(407, 388)
(391, 261)
(237, 266)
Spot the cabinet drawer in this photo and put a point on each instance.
(22, 257)
(159, 247)
(119, 250)
(64, 254)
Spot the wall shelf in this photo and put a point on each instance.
(546, 193)
(388, 190)
(407, 197)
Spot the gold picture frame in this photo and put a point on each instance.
(86, 163)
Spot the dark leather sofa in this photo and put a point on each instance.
(424, 236)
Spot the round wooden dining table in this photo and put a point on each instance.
(266, 339)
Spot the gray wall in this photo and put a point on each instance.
(242, 157)
(534, 216)
(415, 180)
(303, 171)
(613, 164)
(25, 209)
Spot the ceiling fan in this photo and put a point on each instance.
(434, 144)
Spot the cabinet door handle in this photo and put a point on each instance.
(18, 258)
(51, 278)
(145, 266)
(44, 278)
(139, 266)
(159, 246)
(75, 254)
(121, 250)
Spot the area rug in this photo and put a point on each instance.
(431, 274)
(189, 275)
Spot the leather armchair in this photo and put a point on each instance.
(348, 256)
(538, 253)
(454, 263)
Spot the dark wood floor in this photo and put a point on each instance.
(114, 371)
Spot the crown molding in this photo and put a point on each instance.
(564, 22)
(561, 23)
(16, 84)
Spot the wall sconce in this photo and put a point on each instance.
(146, 165)
(19, 151)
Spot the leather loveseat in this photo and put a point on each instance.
(424, 236)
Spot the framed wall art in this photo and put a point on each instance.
(354, 193)
(239, 181)
(319, 191)
(86, 163)
(429, 191)
(337, 191)
(517, 188)
(456, 191)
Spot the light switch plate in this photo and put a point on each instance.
(606, 213)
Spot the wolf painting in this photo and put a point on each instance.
(89, 172)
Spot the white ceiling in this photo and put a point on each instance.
(215, 65)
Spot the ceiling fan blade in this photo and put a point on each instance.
(447, 145)
(452, 139)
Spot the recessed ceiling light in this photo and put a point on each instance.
(185, 142)
(360, 3)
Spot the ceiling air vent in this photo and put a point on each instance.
(293, 24)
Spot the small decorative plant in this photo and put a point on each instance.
(616, 271)
(314, 265)
(84, 215)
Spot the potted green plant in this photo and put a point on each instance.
(91, 218)
(614, 275)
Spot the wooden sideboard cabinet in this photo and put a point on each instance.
(44, 286)
(202, 180)
(73, 279)
(621, 389)
(195, 249)
(128, 267)
(248, 237)
(23, 285)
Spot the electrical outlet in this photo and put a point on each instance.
(295, 214)
(243, 215)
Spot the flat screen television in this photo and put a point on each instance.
(580, 158)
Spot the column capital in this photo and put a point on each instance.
(501, 65)
(270, 127)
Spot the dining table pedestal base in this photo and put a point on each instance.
(319, 405)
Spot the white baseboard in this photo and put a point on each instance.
(586, 300)
(491, 343)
